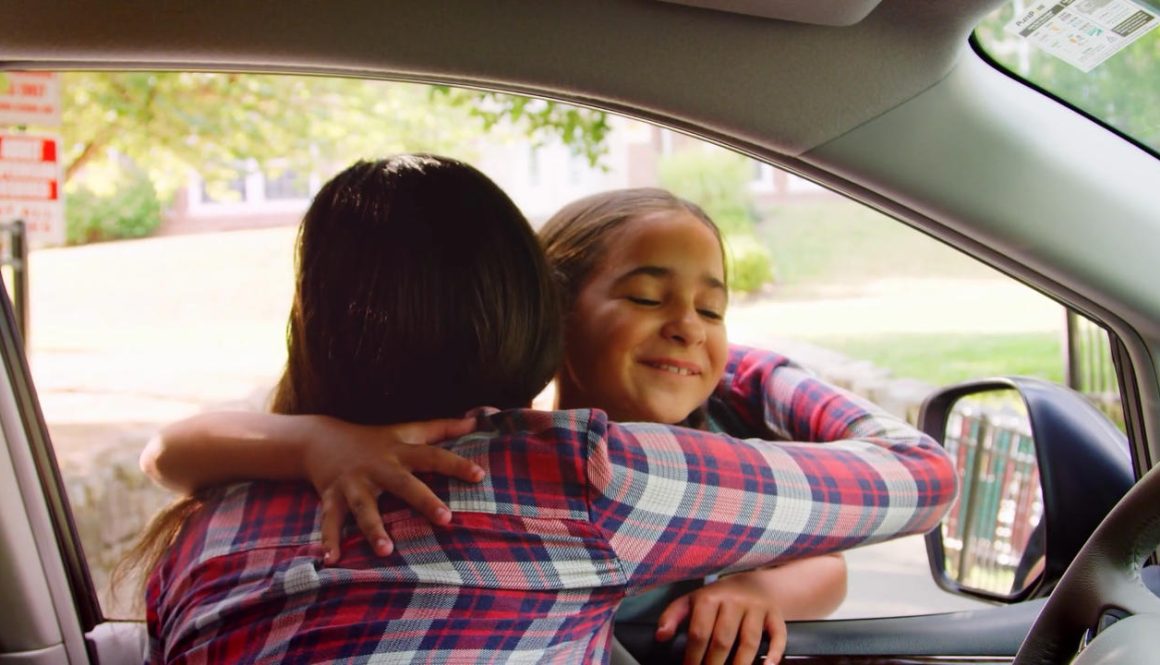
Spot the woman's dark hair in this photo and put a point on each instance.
(422, 292)
(576, 237)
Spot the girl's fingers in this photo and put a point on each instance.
(672, 617)
(724, 634)
(432, 431)
(443, 462)
(334, 513)
(415, 493)
(776, 629)
(701, 622)
(749, 637)
(363, 502)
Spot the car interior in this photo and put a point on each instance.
(891, 103)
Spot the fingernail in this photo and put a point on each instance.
(442, 516)
(382, 547)
(477, 473)
(328, 557)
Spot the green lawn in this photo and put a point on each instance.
(837, 242)
(946, 359)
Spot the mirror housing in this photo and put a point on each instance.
(1084, 469)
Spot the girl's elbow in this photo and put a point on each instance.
(155, 460)
(150, 458)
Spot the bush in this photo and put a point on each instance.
(715, 179)
(750, 264)
(132, 210)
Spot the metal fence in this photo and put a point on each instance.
(987, 532)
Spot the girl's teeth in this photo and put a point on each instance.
(675, 370)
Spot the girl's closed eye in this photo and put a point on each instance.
(640, 300)
(711, 314)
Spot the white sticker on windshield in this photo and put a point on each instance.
(1083, 33)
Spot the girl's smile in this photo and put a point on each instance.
(646, 334)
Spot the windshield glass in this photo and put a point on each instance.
(1101, 56)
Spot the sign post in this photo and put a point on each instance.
(31, 206)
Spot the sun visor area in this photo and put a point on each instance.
(818, 12)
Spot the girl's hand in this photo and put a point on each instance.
(730, 610)
(350, 465)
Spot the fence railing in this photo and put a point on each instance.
(987, 532)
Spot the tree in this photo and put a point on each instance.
(214, 123)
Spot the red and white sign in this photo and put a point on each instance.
(30, 187)
(30, 98)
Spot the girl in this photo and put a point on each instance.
(644, 284)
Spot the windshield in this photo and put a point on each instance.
(1101, 56)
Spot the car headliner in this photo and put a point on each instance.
(895, 110)
(609, 53)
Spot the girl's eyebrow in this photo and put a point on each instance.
(661, 272)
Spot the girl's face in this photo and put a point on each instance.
(645, 340)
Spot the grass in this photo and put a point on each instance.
(825, 244)
(946, 359)
(836, 242)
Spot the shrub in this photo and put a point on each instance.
(750, 264)
(715, 179)
(718, 181)
(131, 210)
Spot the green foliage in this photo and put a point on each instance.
(1122, 91)
(583, 130)
(221, 124)
(750, 264)
(130, 210)
(715, 179)
(718, 181)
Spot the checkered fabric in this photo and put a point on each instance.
(575, 512)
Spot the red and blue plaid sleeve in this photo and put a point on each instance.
(679, 503)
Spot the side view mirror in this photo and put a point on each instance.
(1038, 466)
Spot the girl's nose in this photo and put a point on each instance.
(685, 327)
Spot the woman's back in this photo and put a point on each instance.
(574, 513)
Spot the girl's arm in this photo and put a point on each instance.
(806, 589)
(743, 606)
(348, 464)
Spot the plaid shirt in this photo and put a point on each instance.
(574, 513)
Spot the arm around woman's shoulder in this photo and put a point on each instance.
(678, 503)
(774, 397)
(226, 446)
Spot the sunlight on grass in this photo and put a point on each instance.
(946, 359)
(838, 241)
